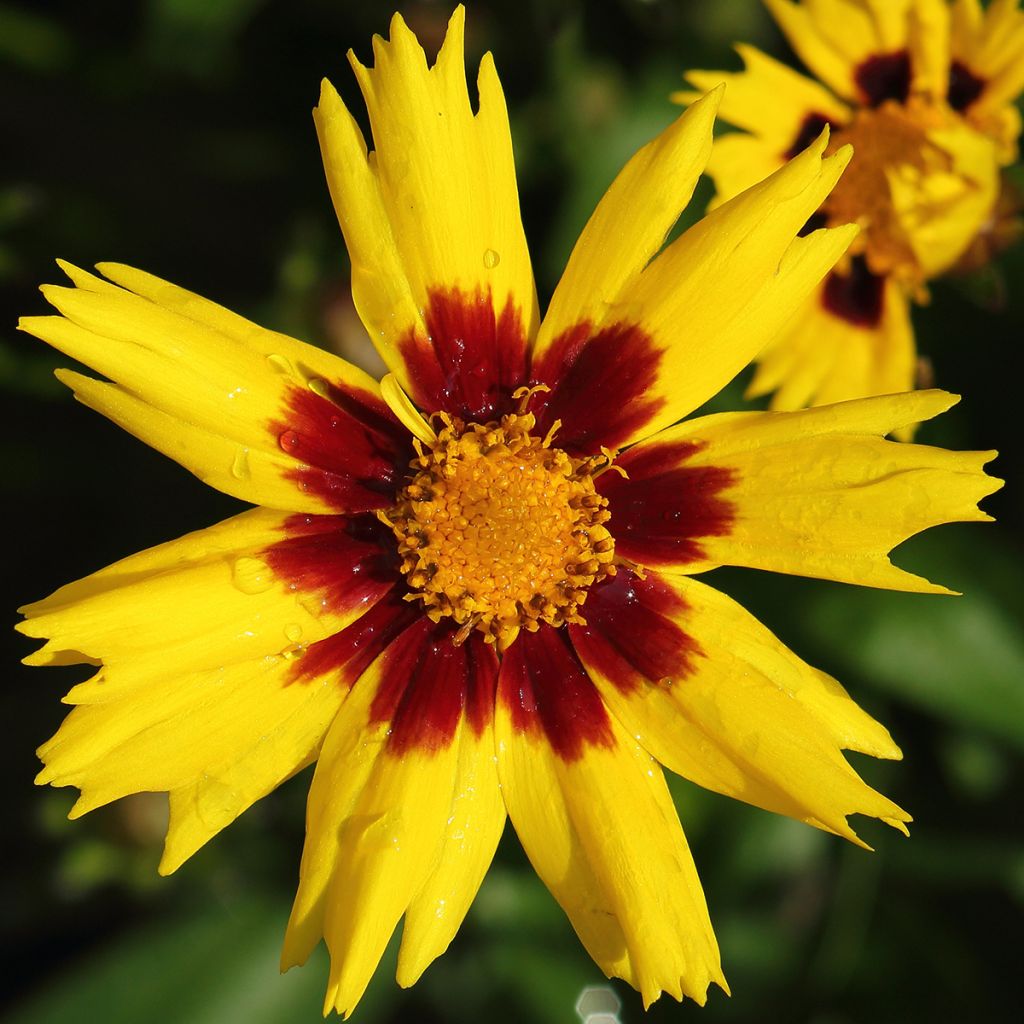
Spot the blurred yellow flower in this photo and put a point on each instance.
(467, 591)
(922, 89)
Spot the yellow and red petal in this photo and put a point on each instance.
(986, 74)
(814, 493)
(246, 588)
(321, 676)
(831, 59)
(714, 696)
(441, 274)
(660, 336)
(253, 413)
(382, 804)
(781, 107)
(859, 48)
(852, 339)
(593, 813)
(221, 725)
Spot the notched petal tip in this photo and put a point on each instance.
(327, 108)
(83, 805)
(842, 156)
(684, 988)
(818, 146)
(457, 21)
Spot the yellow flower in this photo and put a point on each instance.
(922, 90)
(491, 609)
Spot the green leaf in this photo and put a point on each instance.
(213, 967)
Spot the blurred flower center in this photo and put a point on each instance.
(892, 154)
(501, 531)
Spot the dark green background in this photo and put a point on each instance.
(175, 135)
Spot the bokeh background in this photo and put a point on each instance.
(176, 135)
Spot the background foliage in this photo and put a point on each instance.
(175, 135)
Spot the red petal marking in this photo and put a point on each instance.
(343, 561)
(630, 636)
(885, 76)
(810, 128)
(428, 683)
(964, 86)
(547, 691)
(663, 511)
(601, 386)
(350, 449)
(350, 652)
(472, 357)
(857, 297)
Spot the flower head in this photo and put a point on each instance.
(922, 90)
(468, 591)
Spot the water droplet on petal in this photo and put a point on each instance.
(240, 464)
(251, 575)
(216, 803)
(279, 364)
(294, 652)
(289, 442)
(293, 631)
(320, 387)
(491, 258)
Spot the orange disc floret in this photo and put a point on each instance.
(499, 530)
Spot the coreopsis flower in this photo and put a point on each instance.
(923, 91)
(469, 591)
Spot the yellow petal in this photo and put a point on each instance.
(697, 313)
(230, 716)
(435, 205)
(222, 396)
(941, 211)
(600, 829)
(631, 221)
(929, 40)
(714, 696)
(739, 161)
(770, 100)
(218, 740)
(815, 493)
(247, 588)
(725, 287)
(831, 59)
(472, 830)
(821, 358)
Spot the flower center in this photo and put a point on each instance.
(499, 530)
(886, 141)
